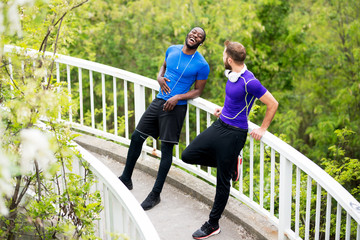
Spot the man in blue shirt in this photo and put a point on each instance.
(163, 119)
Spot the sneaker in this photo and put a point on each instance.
(151, 201)
(206, 230)
(128, 184)
(236, 173)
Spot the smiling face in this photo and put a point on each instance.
(194, 38)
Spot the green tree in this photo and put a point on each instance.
(34, 198)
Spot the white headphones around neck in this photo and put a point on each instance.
(234, 76)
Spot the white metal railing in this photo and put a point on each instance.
(275, 191)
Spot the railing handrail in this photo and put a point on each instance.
(108, 70)
(89, 65)
(338, 192)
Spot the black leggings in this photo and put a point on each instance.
(137, 140)
(218, 146)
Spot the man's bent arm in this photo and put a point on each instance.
(194, 93)
(162, 70)
(271, 107)
(164, 88)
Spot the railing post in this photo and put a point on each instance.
(285, 196)
(69, 90)
(139, 102)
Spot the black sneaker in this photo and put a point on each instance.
(128, 184)
(236, 173)
(206, 230)
(151, 201)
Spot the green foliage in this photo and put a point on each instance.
(344, 169)
(306, 53)
(54, 207)
(39, 195)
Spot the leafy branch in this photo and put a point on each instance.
(46, 38)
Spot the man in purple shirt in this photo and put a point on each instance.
(220, 145)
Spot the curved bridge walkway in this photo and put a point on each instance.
(185, 200)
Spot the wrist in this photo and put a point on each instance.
(263, 128)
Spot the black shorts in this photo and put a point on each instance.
(160, 124)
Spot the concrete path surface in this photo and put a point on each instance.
(178, 215)
(185, 200)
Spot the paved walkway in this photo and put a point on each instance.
(178, 215)
(185, 200)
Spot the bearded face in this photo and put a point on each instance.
(226, 60)
(226, 64)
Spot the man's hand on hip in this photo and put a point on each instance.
(163, 85)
